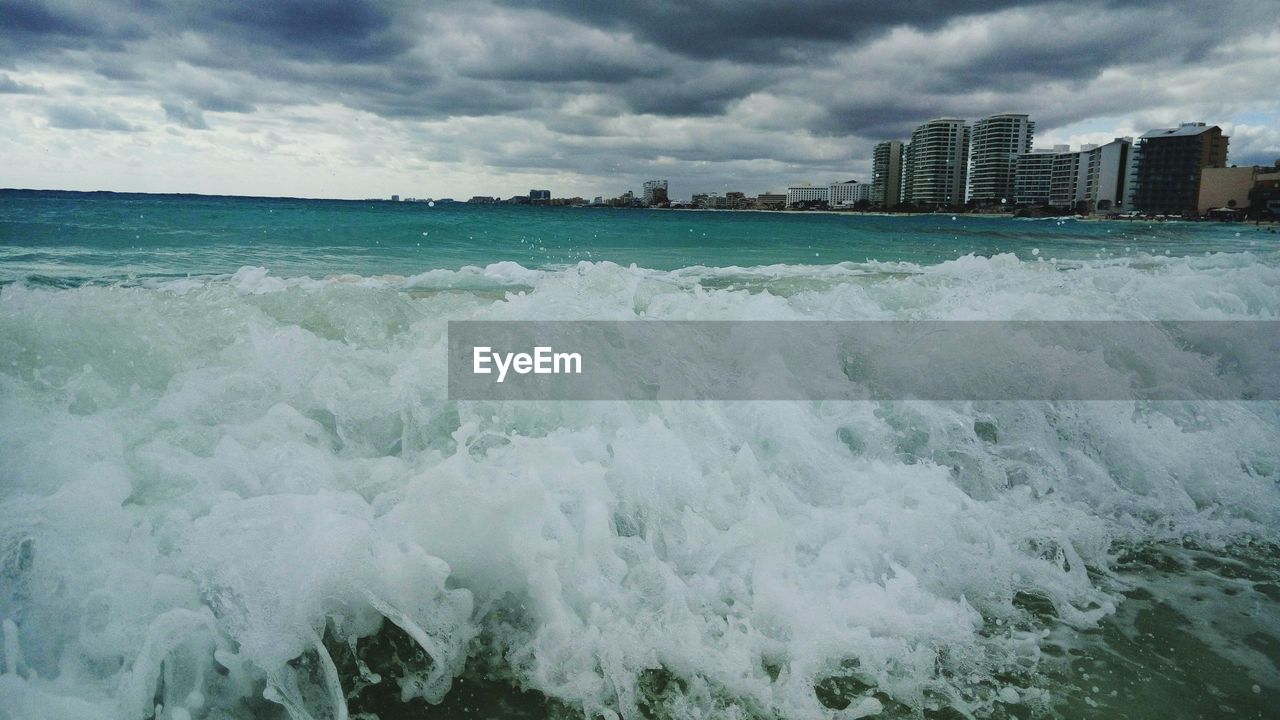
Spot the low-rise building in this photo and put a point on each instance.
(1226, 188)
(848, 193)
(771, 201)
(1264, 198)
(806, 194)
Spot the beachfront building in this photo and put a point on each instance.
(1094, 178)
(1225, 188)
(712, 201)
(626, 199)
(539, 197)
(771, 201)
(655, 192)
(1264, 198)
(1069, 183)
(1236, 188)
(937, 163)
(886, 174)
(994, 146)
(848, 193)
(1170, 162)
(1107, 185)
(806, 194)
(1033, 174)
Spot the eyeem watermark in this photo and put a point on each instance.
(865, 360)
(542, 361)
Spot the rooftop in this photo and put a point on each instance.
(1183, 130)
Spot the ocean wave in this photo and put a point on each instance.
(228, 495)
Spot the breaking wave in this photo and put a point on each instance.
(248, 496)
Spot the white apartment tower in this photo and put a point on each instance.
(655, 191)
(937, 163)
(1109, 175)
(1033, 175)
(1069, 186)
(994, 146)
(1091, 179)
(886, 174)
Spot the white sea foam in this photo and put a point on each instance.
(203, 480)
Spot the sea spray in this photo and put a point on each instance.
(246, 495)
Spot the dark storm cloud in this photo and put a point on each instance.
(766, 31)
(35, 18)
(662, 57)
(892, 118)
(558, 67)
(76, 117)
(1078, 48)
(185, 114)
(32, 27)
(580, 73)
(11, 86)
(700, 91)
(220, 103)
(330, 30)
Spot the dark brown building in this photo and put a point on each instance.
(1264, 198)
(1169, 162)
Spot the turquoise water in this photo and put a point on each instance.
(232, 484)
(75, 237)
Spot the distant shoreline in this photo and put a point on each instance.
(851, 213)
(847, 213)
(960, 214)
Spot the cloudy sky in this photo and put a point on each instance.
(326, 98)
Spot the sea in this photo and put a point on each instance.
(233, 484)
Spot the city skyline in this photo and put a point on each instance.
(355, 100)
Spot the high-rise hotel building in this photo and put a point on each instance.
(1169, 161)
(1033, 176)
(1092, 179)
(937, 163)
(994, 146)
(886, 174)
(655, 192)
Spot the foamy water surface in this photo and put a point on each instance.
(245, 494)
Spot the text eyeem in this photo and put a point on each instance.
(542, 361)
